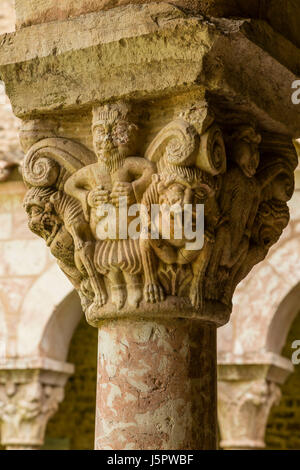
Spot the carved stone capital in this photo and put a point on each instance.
(248, 387)
(244, 409)
(28, 399)
(103, 212)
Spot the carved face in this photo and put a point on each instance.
(247, 157)
(270, 223)
(116, 136)
(43, 221)
(174, 194)
(177, 195)
(30, 403)
(283, 187)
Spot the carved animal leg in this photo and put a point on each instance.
(231, 283)
(199, 269)
(86, 255)
(84, 250)
(153, 292)
(222, 244)
(118, 288)
(75, 277)
(134, 289)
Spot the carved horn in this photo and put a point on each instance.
(45, 161)
(177, 142)
(212, 153)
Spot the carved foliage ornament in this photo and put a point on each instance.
(242, 180)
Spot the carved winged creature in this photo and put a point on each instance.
(57, 217)
(238, 203)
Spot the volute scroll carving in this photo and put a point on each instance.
(85, 206)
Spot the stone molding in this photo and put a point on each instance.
(204, 54)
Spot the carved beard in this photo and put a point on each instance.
(114, 160)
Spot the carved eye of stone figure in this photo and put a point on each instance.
(124, 135)
(112, 136)
(35, 211)
(102, 137)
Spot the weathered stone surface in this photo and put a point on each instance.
(250, 345)
(130, 61)
(10, 151)
(120, 279)
(7, 16)
(156, 386)
(266, 302)
(244, 409)
(248, 387)
(283, 15)
(283, 423)
(41, 11)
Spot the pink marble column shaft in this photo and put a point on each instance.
(156, 386)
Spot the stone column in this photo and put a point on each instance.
(247, 389)
(165, 112)
(29, 397)
(156, 385)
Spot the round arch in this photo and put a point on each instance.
(266, 302)
(51, 311)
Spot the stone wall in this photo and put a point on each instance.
(7, 16)
(75, 419)
(283, 431)
(9, 142)
(23, 258)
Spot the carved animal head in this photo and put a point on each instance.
(277, 180)
(174, 193)
(42, 219)
(271, 220)
(245, 150)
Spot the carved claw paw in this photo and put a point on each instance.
(153, 293)
(196, 296)
(118, 296)
(92, 310)
(100, 299)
